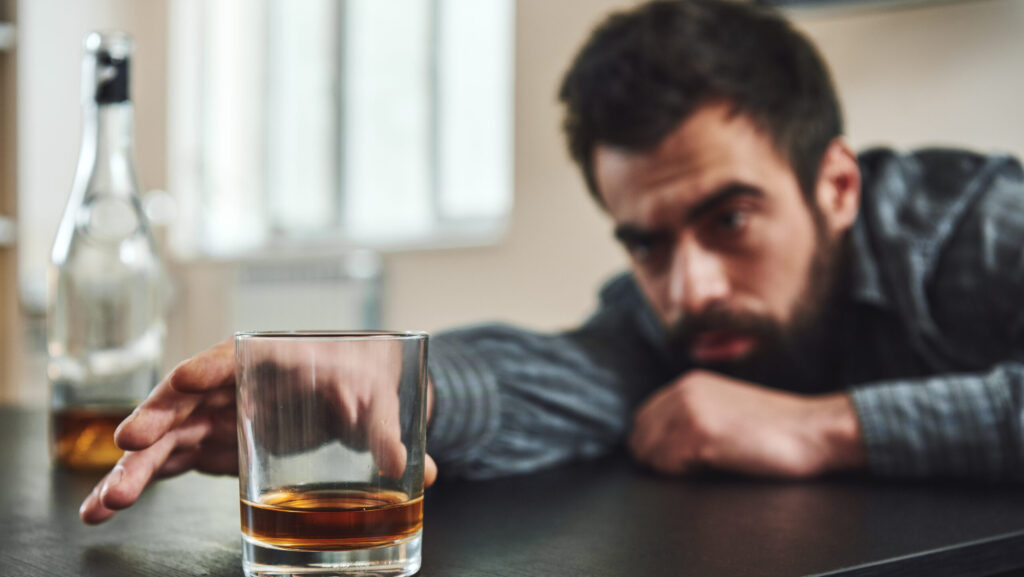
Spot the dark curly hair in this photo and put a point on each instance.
(644, 71)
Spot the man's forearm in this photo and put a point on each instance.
(951, 425)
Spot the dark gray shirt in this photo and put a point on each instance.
(932, 348)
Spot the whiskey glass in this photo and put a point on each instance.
(331, 434)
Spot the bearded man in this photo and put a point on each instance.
(792, 309)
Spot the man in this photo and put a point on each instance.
(790, 312)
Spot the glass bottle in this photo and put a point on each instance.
(105, 310)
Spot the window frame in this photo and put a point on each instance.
(189, 166)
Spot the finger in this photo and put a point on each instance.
(122, 486)
(135, 470)
(430, 399)
(384, 432)
(351, 430)
(649, 422)
(155, 417)
(92, 510)
(429, 471)
(221, 398)
(132, 473)
(177, 396)
(672, 456)
(653, 404)
(211, 369)
(674, 468)
(219, 425)
(647, 434)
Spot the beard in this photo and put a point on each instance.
(795, 355)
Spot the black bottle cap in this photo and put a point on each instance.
(111, 79)
(105, 70)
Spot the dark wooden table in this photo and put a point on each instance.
(602, 518)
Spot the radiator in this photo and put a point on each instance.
(336, 293)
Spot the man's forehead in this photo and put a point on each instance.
(711, 149)
(643, 188)
(638, 188)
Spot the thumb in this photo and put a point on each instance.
(429, 471)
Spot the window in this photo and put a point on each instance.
(323, 122)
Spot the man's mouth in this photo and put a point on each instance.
(720, 346)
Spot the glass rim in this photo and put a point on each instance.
(333, 335)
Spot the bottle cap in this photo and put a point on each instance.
(105, 67)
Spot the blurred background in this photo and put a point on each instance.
(359, 164)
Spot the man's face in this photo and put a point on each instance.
(722, 242)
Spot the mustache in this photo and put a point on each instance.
(684, 332)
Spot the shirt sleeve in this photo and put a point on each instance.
(967, 425)
(509, 400)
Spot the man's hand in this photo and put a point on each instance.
(707, 420)
(189, 422)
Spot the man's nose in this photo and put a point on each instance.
(698, 278)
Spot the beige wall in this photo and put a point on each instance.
(950, 74)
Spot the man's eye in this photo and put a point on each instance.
(640, 252)
(732, 220)
(648, 253)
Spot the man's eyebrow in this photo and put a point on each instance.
(722, 196)
(630, 234)
(635, 234)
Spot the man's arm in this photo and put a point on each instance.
(707, 420)
(967, 425)
(510, 401)
(963, 425)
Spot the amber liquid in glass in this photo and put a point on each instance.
(83, 438)
(332, 517)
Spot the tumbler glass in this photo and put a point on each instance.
(331, 432)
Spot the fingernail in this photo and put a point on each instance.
(90, 496)
(127, 421)
(115, 477)
(131, 417)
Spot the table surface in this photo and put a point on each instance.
(605, 517)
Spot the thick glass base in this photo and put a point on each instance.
(262, 560)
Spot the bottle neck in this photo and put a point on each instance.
(108, 133)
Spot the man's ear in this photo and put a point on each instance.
(837, 191)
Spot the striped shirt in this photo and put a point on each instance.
(932, 351)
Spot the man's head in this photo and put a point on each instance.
(709, 131)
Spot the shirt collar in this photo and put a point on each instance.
(865, 273)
